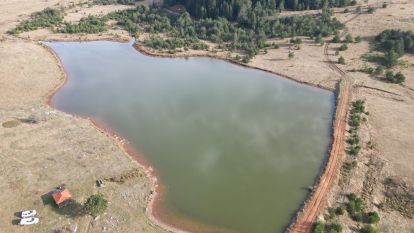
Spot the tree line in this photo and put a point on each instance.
(235, 9)
(123, 2)
(246, 35)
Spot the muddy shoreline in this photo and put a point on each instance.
(139, 159)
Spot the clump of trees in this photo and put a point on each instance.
(341, 60)
(394, 78)
(96, 204)
(174, 43)
(321, 227)
(355, 208)
(89, 24)
(354, 121)
(123, 2)
(42, 19)
(394, 43)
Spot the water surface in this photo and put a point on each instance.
(235, 148)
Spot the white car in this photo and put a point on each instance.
(28, 221)
(28, 213)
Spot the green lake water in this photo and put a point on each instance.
(235, 148)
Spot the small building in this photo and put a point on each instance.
(61, 197)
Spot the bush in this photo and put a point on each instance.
(336, 227)
(296, 41)
(355, 206)
(397, 78)
(391, 58)
(336, 38)
(343, 47)
(340, 210)
(371, 10)
(319, 227)
(96, 204)
(357, 39)
(354, 120)
(341, 60)
(384, 5)
(291, 55)
(358, 106)
(389, 76)
(355, 150)
(371, 217)
(368, 229)
(348, 38)
(379, 70)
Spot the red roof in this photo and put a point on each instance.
(61, 196)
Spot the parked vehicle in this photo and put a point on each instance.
(28, 213)
(28, 221)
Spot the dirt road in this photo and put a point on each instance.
(315, 205)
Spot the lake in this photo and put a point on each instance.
(235, 149)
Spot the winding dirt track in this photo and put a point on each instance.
(304, 223)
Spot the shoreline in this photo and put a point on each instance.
(145, 51)
(122, 143)
(138, 158)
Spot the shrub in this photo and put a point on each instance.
(391, 58)
(384, 5)
(291, 55)
(96, 204)
(341, 60)
(318, 39)
(379, 70)
(336, 227)
(354, 120)
(336, 38)
(348, 38)
(368, 229)
(371, 10)
(389, 76)
(358, 106)
(340, 210)
(371, 217)
(319, 227)
(355, 150)
(359, 10)
(343, 47)
(355, 206)
(296, 41)
(357, 39)
(399, 78)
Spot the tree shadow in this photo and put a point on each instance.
(15, 222)
(17, 214)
